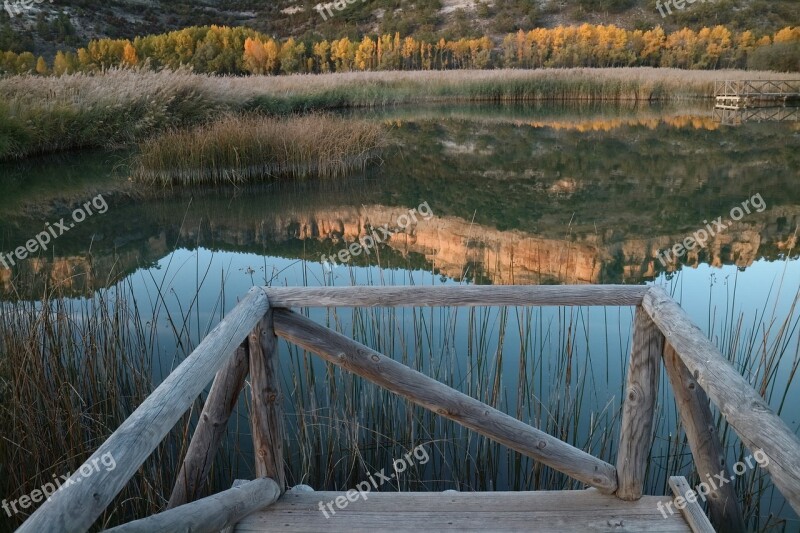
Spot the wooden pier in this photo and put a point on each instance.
(245, 343)
(743, 94)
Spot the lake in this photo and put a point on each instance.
(517, 194)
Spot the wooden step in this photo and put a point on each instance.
(543, 511)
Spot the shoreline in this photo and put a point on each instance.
(120, 108)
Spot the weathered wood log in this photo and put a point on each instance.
(210, 514)
(231, 527)
(701, 432)
(639, 406)
(210, 428)
(444, 401)
(74, 508)
(267, 411)
(691, 510)
(746, 412)
(529, 295)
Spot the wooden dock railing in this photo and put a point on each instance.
(742, 94)
(245, 342)
(778, 88)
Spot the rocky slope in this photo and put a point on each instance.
(42, 26)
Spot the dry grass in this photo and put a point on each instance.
(239, 149)
(70, 373)
(117, 107)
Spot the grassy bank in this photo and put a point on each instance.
(121, 107)
(239, 149)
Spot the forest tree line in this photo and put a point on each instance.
(238, 50)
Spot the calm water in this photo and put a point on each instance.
(519, 195)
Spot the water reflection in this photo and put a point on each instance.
(737, 117)
(520, 195)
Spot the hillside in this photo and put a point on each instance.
(45, 26)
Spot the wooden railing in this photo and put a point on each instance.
(245, 342)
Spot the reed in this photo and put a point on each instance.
(122, 107)
(238, 149)
(70, 373)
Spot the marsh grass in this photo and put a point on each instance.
(70, 373)
(238, 149)
(122, 107)
(74, 369)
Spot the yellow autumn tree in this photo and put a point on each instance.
(410, 47)
(654, 41)
(342, 54)
(291, 56)
(365, 54)
(787, 35)
(41, 66)
(255, 59)
(60, 66)
(680, 49)
(322, 55)
(129, 56)
(718, 43)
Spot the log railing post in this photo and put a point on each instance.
(267, 412)
(638, 406)
(210, 428)
(757, 425)
(701, 432)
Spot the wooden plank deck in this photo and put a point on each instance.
(541, 511)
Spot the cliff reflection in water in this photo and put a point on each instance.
(449, 245)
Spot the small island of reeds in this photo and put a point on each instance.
(239, 149)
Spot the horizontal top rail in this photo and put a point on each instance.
(457, 295)
(756, 87)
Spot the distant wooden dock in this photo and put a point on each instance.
(742, 94)
(245, 343)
